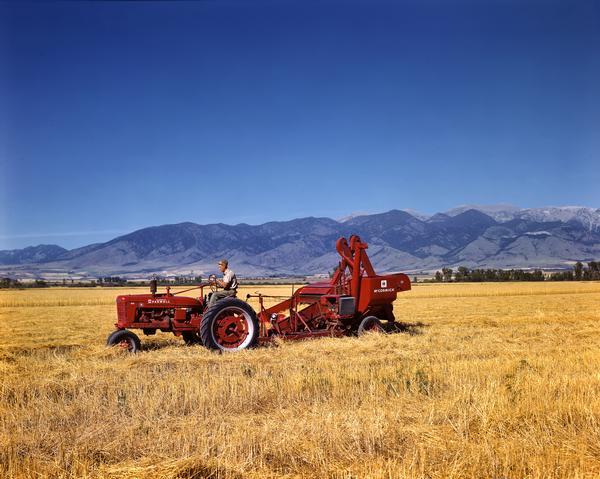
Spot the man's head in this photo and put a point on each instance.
(223, 265)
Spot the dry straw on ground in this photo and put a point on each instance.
(491, 380)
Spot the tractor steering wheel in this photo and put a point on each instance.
(212, 279)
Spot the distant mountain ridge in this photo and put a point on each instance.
(589, 217)
(496, 236)
(32, 254)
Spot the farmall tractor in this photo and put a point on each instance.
(354, 301)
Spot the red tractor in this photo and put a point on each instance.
(355, 300)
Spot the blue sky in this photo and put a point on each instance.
(120, 115)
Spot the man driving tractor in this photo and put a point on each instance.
(229, 283)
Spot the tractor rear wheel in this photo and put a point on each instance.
(370, 324)
(125, 339)
(229, 325)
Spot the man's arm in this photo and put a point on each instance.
(226, 281)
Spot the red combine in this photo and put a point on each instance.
(355, 300)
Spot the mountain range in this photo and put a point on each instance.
(497, 236)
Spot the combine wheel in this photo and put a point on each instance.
(191, 337)
(370, 324)
(125, 339)
(229, 325)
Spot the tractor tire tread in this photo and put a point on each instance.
(211, 313)
(117, 336)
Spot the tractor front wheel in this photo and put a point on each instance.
(124, 339)
(370, 324)
(229, 325)
(108, 339)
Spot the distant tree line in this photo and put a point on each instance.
(111, 281)
(44, 283)
(579, 272)
(180, 280)
(464, 274)
(15, 283)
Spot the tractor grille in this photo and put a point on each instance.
(121, 309)
(347, 306)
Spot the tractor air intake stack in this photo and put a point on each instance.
(153, 286)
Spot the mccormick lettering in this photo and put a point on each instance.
(384, 290)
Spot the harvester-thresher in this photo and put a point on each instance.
(353, 301)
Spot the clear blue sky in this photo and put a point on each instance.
(120, 115)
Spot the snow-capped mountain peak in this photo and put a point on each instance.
(589, 217)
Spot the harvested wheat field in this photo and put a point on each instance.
(488, 381)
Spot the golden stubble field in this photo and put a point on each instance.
(491, 381)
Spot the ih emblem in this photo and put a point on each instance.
(384, 283)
